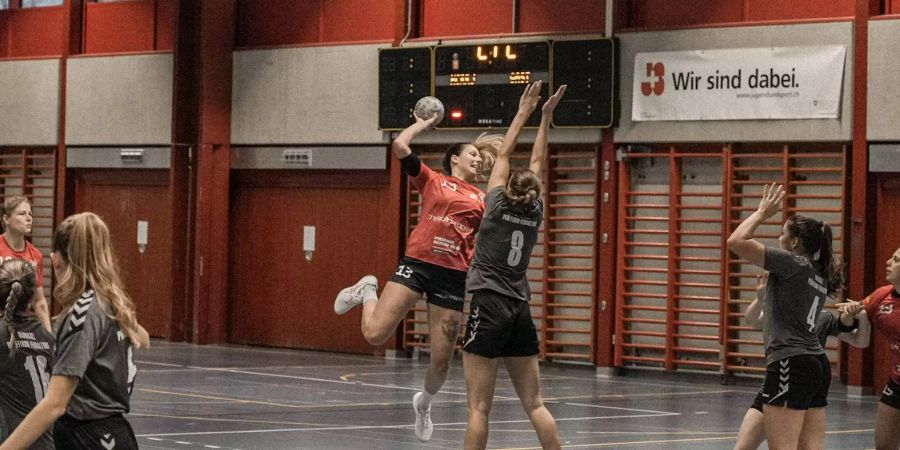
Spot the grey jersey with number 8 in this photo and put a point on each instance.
(796, 294)
(503, 247)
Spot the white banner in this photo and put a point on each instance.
(734, 84)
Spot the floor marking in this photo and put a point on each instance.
(619, 408)
(261, 402)
(375, 427)
(674, 441)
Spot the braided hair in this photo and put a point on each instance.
(18, 280)
(523, 188)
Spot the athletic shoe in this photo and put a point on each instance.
(424, 427)
(353, 295)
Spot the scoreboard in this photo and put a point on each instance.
(480, 84)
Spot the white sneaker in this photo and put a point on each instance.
(424, 427)
(353, 295)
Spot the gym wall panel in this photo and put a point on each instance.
(561, 15)
(311, 95)
(883, 107)
(465, 17)
(119, 100)
(119, 27)
(359, 20)
(668, 13)
(36, 32)
(277, 22)
(735, 130)
(165, 24)
(4, 33)
(29, 102)
(761, 10)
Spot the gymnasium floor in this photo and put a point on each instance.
(238, 397)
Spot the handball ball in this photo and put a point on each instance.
(430, 106)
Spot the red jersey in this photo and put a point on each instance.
(880, 307)
(450, 217)
(30, 254)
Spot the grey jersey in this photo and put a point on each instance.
(503, 247)
(24, 378)
(796, 295)
(90, 346)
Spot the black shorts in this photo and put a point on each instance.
(442, 286)
(110, 432)
(891, 394)
(798, 382)
(758, 402)
(500, 326)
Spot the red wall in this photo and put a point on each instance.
(277, 22)
(679, 13)
(134, 26)
(465, 17)
(291, 22)
(33, 32)
(561, 15)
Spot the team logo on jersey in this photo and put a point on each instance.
(78, 313)
(450, 185)
(473, 330)
(886, 309)
(108, 442)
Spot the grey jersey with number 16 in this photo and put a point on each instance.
(24, 378)
(503, 247)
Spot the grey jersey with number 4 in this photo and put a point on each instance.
(90, 346)
(797, 293)
(24, 378)
(503, 247)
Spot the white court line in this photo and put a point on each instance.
(325, 380)
(375, 427)
(619, 408)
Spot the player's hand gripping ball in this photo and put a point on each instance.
(430, 106)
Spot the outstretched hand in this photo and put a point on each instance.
(770, 204)
(551, 102)
(530, 98)
(426, 124)
(850, 307)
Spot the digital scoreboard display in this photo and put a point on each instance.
(480, 85)
(404, 76)
(588, 70)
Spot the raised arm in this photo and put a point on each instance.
(539, 150)
(400, 146)
(754, 316)
(741, 242)
(527, 103)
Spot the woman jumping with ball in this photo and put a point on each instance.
(438, 254)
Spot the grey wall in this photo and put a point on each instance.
(883, 107)
(29, 102)
(310, 95)
(119, 100)
(736, 130)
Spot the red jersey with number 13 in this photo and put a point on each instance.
(451, 214)
(883, 309)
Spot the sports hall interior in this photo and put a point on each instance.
(187, 118)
